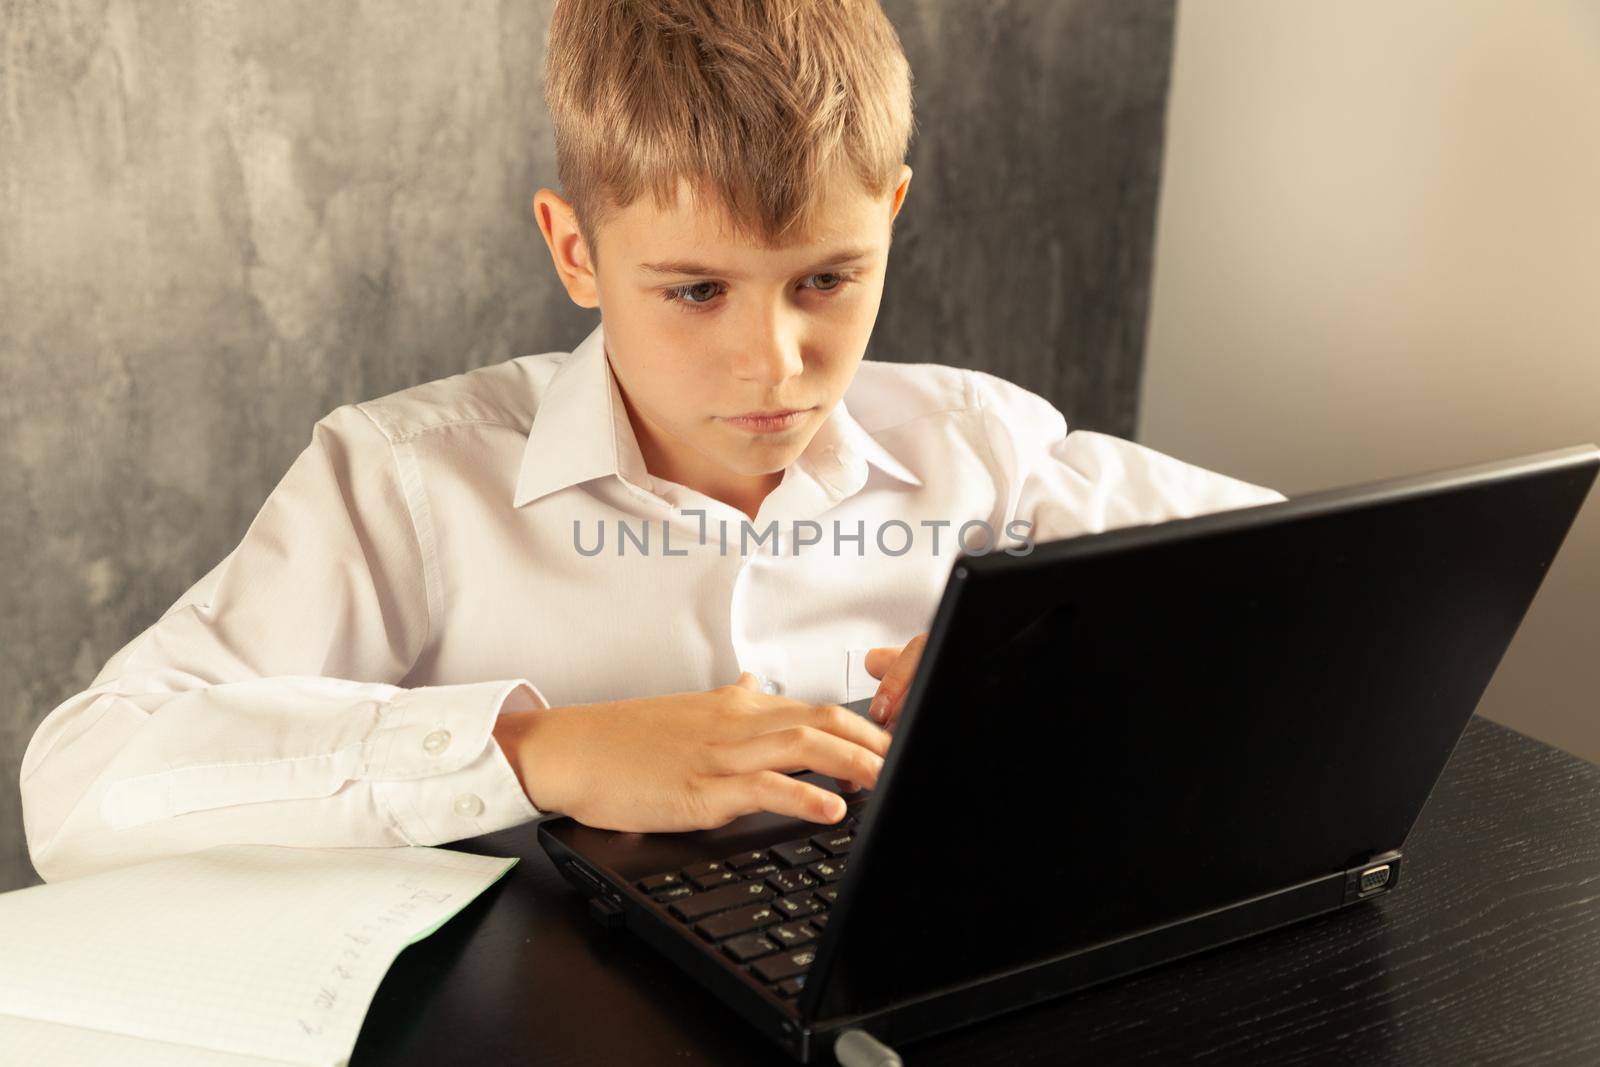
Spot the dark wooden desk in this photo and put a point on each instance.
(1488, 952)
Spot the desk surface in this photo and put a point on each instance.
(1489, 951)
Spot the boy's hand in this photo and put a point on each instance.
(689, 761)
(895, 667)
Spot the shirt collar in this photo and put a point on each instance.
(581, 432)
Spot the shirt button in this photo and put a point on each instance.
(468, 804)
(436, 742)
(770, 686)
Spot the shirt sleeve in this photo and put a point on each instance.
(265, 706)
(1070, 483)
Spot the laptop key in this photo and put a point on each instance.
(797, 853)
(745, 859)
(829, 870)
(699, 905)
(660, 881)
(797, 905)
(791, 934)
(738, 921)
(704, 868)
(761, 870)
(835, 843)
(747, 947)
(792, 881)
(790, 987)
(785, 965)
(828, 894)
(820, 921)
(712, 879)
(671, 893)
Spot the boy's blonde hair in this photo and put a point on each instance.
(755, 103)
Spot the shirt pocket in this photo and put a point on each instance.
(858, 684)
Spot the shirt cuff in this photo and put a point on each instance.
(437, 768)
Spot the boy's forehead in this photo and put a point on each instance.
(704, 231)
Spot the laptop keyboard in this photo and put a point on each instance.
(766, 909)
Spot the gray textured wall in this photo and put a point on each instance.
(223, 219)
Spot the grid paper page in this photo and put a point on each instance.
(41, 1044)
(256, 950)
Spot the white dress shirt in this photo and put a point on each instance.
(427, 562)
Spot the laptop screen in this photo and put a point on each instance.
(1121, 730)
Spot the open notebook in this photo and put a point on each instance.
(236, 955)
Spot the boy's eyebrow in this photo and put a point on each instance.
(834, 259)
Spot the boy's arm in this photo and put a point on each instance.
(263, 707)
(1067, 484)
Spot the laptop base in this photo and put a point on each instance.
(615, 901)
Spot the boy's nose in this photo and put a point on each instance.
(772, 346)
(769, 357)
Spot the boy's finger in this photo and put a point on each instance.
(744, 794)
(800, 748)
(887, 701)
(894, 717)
(879, 660)
(891, 693)
(833, 718)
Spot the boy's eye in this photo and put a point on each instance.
(700, 294)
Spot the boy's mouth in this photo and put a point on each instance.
(767, 421)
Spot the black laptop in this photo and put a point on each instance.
(1119, 749)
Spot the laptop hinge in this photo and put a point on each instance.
(1373, 878)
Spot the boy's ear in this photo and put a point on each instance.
(567, 248)
(900, 191)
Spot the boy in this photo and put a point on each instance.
(418, 640)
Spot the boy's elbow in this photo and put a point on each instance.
(61, 768)
(49, 796)
(49, 846)
(79, 841)
(50, 863)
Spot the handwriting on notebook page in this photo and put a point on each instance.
(356, 958)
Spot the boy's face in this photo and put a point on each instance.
(701, 327)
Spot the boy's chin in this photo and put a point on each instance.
(755, 459)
